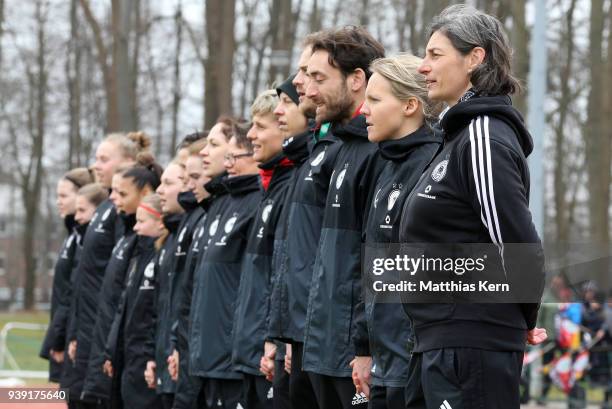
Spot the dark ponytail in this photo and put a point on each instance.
(146, 172)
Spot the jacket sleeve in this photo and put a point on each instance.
(373, 168)
(58, 328)
(148, 348)
(182, 327)
(71, 330)
(72, 327)
(113, 334)
(361, 339)
(278, 308)
(496, 178)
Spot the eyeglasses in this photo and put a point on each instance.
(231, 158)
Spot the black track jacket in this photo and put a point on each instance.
(476, 190)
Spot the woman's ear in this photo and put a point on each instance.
(411, 106)
(477, 56)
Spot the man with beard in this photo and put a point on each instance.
(339, 71)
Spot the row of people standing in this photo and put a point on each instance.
(253, 295)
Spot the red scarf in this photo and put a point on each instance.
(266, 174)
(358, 111)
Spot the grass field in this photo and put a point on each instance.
(24, 345)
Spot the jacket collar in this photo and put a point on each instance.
(172, 221)
(295, 148)
(399, 149)
(268, 169)
(240, 185)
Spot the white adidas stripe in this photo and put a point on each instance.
(485, 191)
(492, 192)
(445, 405)
(482, 170)
(474, 169)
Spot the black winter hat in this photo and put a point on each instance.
(288, 88)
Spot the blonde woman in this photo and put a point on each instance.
(398, 114)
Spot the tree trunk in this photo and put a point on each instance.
(73, 74)
(31, 184)
(519, 40)
(430, 9)
(134, 70)
(314, 21)
(176, 92)
(113, 122)
(258, 66)
(121, 27)
(248, 39)
(560, 174)
(414, 38)
(597, 139)
(220, 60)
(152, 74)
(364, 19)
(281, 28)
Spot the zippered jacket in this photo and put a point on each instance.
(476, 190)
(384, 331)
(336, 278)
(216, 280)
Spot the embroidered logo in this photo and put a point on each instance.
(229, 225)
(213, 227)
(319, 158)
(393, 198)
(149, 270)
(439, 171)
(265, 214)
(106, 214)
(376, 197)
(340, 178)
(182, 235)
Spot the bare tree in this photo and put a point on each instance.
(116, 72)
(73, 68)
(563, 211)
(31, 178)
(248, 11)
(121, 27)
(594, 136)
(283, 21)
(405, 23)
(314, 20)
(138, 33)
(176, 92)
(196, 44)
(519, 39)
(220, 60)
(155, 87)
